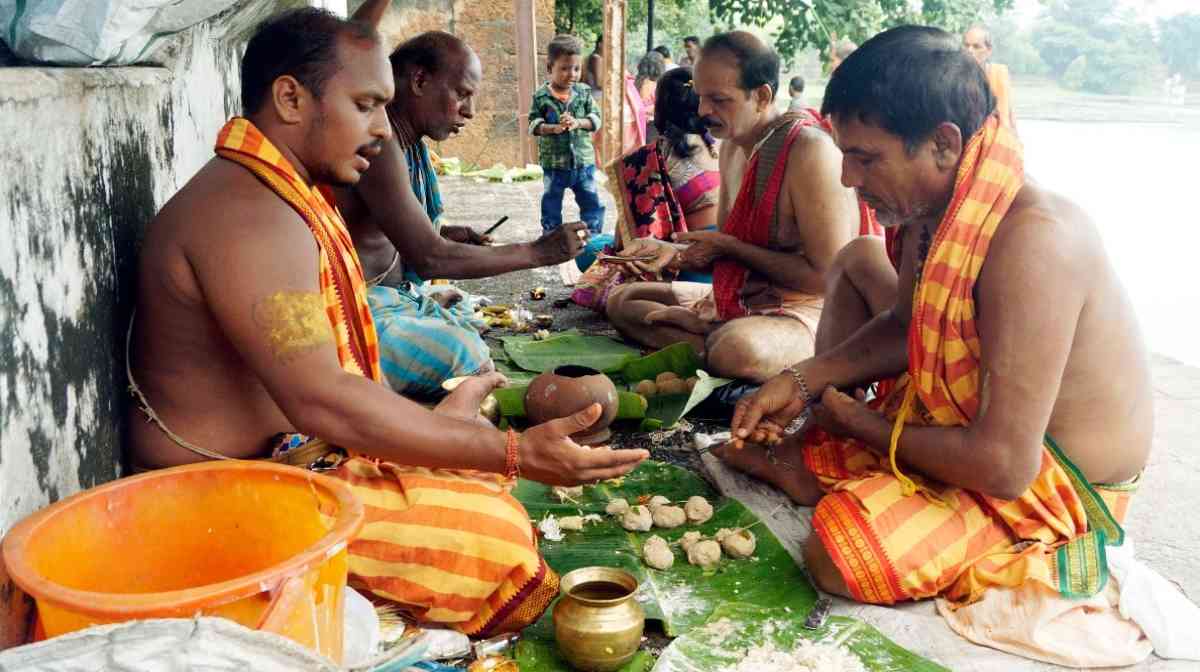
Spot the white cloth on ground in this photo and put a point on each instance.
(1139, 611)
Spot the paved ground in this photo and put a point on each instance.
(1163, 519)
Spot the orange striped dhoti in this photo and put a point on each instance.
(450, 547)
(896, 537)
(891, 547)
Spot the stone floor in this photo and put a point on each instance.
(1162, 519)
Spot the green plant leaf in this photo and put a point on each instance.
(765, 593)
(683, 596)
(742, 625)
(665, 410)
(680, 358)
(597, 352)
(630, 405)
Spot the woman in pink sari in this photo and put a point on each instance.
(669, 185)
(662, 187)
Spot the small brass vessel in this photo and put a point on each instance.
(597, 622)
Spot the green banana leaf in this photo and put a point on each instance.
(630, 405)
(516, 376)
(598, 352)
(719, 648)
(767, 591)
(504, 364)
(665, 410)
(680, 358)
(680, 598)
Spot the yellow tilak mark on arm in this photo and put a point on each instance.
(294, 323)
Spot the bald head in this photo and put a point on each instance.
(433, 52)
(757, 63)
(437, 76)
(978, 42)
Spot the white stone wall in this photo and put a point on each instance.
(87, 156)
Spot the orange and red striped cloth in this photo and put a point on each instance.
(342, 287)
(451, 547)
(897, 538)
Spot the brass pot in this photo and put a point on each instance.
(568, 390)
(597, 622)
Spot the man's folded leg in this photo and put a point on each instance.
(450, 547)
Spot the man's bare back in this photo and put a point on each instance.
(186, 367)
(1103, 416)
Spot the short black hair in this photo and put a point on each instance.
(677, 112)
(300, 42)
(757, 63)
(663, 50)
(691, 39)
(796, 84)
(651, 67)
(563, 45)
(427, 51)
(909, 79)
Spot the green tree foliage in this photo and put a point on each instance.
(818, 23)
(1179, 41)
(1013, 47)
(673, 20)
(1094, 46)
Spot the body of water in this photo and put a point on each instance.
(1135, 180)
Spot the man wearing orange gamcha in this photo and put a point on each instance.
(253, 336)
(998, 456)
(978, 42)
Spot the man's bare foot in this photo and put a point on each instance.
(786, 472)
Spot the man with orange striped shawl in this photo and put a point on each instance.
(1014, 378)
(253, 322)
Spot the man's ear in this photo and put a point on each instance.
(763, 97)
(947, 145)
(289, 97)
(418, 79)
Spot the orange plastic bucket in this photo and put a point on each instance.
(257, 543)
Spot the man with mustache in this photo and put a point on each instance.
(426, 336)
(252, 339)
(783, 216)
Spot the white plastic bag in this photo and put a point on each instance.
(98, 32)
(166, 645)
(1168, 618)
(360, 641)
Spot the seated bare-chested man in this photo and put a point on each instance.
(252, 334)
(1015, 414)
(783, 216)
(425, 335)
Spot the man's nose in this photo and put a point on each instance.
(468, 108)
(704, 109)
(850, 177)
(380, 126)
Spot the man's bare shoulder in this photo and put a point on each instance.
(1050, 228)
(813, 150)
(383, 185)
(223, 204)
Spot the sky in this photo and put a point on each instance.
(1149, 10)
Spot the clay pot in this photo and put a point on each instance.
(567, 390)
